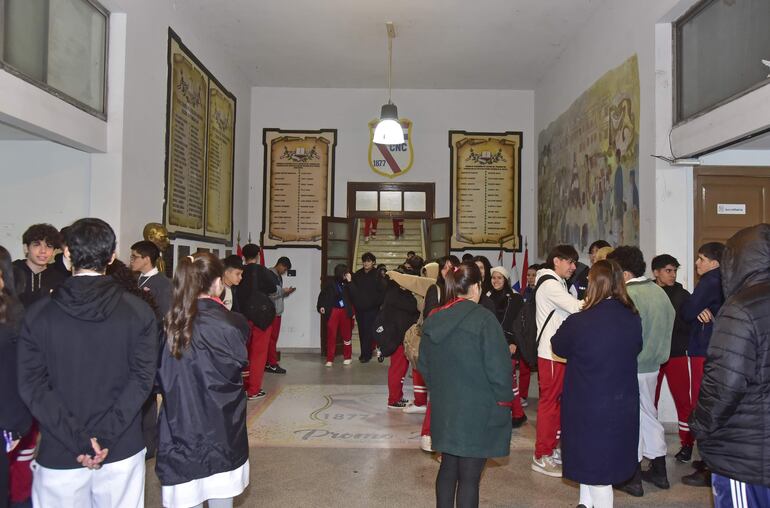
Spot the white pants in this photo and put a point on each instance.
(652, 436)
(116, 485)
(598, 496)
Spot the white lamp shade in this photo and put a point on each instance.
(388, 132)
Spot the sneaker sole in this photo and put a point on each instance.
(544, 471)
(400, 408)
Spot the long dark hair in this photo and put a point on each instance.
(605, 280)
(194, 276)
(130, 282)
(460, 279)
(486, 283)
(440, 282)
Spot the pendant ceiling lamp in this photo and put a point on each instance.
(389, 130)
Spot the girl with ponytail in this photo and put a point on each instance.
(466, 364)
(203, 454)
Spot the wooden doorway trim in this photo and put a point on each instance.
(428, 188)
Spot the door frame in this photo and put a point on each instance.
(429, 188)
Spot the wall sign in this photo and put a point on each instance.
(486, 190)
(391, 160)
(731, 208)
(200, 150)
(298, 188)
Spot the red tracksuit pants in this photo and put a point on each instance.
(258, 344)
(420, 390)
(677, 372)
(524, 376)
(550, 374)
(20, 473)
(370, 227)
(396, 372)
(339, 321)
(516, 410)
(398, 227)
(272, 348)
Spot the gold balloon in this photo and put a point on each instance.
(157, 234)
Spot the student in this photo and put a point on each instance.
(370, 227)
(467, 257)
(15, 419)
(600, 449)
(398, 228)
(731, 419)
(230, 280)
(677, 369)
(144, 259)
(657, 316)
(87, 392)
(205, 457)
(507, 305)
(33, 279)
(465, 361)
(257, 284)
(281, 267)
(525, 371)
(335, 304)
(699, 312)
(367, 295)
(553, 303)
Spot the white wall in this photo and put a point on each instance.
(434, 113)
(42, 182)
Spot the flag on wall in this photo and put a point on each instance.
(525, 267)
(500, 256)
(238, 248)
(515, 285)
(261, 255)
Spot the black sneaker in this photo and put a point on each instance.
(518, 422)
(258, 395)
(699, 465)
(401, 404)
(700, 478)
(684, 455)
(275, 369)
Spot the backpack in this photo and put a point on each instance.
(386, 334)
(525, 333)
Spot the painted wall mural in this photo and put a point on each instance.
(588, 167)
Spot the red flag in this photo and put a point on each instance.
(500, 255)
(238, 249)
(261, 256)
(525, 267)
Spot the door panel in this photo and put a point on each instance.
(336, 248)
(439, 234)
(728, 199)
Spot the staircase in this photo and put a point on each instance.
(385, 247)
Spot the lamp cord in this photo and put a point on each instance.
(390, 65)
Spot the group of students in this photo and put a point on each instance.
(90, 345)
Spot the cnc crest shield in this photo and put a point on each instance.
(391, 160)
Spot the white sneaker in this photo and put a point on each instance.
(329, 364)
(347, 361)
(413, 409)
(556, 456)
(524, 402)
(426, 444)
(546, 466)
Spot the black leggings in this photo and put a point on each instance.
(460, 474)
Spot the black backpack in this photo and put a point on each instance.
(525, 334)
(386, 334)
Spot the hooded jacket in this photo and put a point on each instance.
(87, 362)
(707, 295)
(467, 366)
(203, 417)
(731, 420)
(31, 286)
(680, 335)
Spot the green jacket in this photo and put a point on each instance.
(657, 315)
(466, 364)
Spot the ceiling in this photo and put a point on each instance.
(439, 44)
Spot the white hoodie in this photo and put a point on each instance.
(552, 294)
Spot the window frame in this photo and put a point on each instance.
(55, 91)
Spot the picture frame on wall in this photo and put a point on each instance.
(298, 188)
(485, 191)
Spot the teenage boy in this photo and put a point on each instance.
(33, 277)
(657, 315)
(677, 369)
(281, 267)
(86, 392)
(231, 279)
(255, 304)
(553, 303)
(699, 311)
(367, 294)
(144, 259)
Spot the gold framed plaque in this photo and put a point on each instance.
(200, 150)
(298, 186)
(485, 194)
